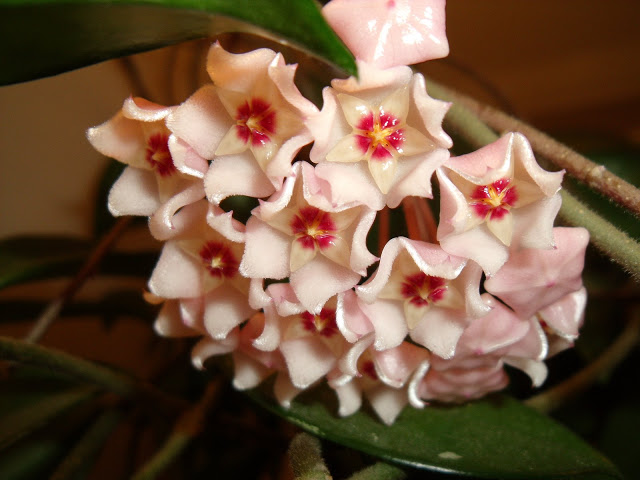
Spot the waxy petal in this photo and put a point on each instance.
(134, 193)
(532, 279)
(308, 360)
(400, 32)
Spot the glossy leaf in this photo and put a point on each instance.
(45, 37)
(496, 437)
(24, 259)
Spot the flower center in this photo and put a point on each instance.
(379, 135)
(219, 260)
(495, 200)
(421, 289)
(313, 228)
(158, 155)
(323, 324)
(255, 121)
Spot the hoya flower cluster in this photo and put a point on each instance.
(295, 291)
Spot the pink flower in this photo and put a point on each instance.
(562, 320)
(494, 198)
(200, 267)
(379, 139)
(387, 378)
(421, 290)
(533, 279)
(310, 343)
(388, 33)
(163, 173)
(498, 338)
(250, 122)
(299, 234)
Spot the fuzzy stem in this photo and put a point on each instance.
(613, 242)
(22, 352)
(606, 362)
(379, 471)
(52, 310)
(188, 426)
(595, 176)
(305, 454)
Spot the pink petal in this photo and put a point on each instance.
(238, 72)
(248, 373)
(390, 33)
(225, 309)
(308, 360)
(161, 222)
(387, 402)
(134, 193)
(169, 323)
(320, 280)
(533, 279)
(440, 331)
(566, 315)
(201, 121)
(387, 318)
(267, 252)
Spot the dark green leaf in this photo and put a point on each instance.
(23, 259)
(45, 37)
(35, 456)
(496, 437)
(18, 422)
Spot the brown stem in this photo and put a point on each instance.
(52, 310)
(595, 176)
(429, 221)
(411, 219)
(383, 228)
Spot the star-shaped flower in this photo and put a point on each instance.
(379, 139)
(388, 33)
(163, 173)
(494, 198)
(250, 122)
(387, 378)
(421, 290)
(299, 234)
(200, 268)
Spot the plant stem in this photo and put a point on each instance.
(190, 424)
(379, 471)
(22, 352)
(52, 310)
(595, 176)
(305, 454)
(613, 242)
(606, 362)
(383, 229)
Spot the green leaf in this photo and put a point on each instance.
(496, 437)
(46, 37)
(18, 422)
(35, 455)
(24, 259)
